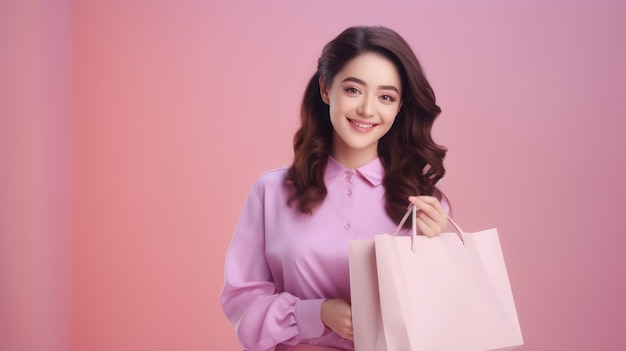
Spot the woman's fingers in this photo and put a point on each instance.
(431, 217)
(428, 226)
(337, 315)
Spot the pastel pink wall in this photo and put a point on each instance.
(34, 176)
(178, 106)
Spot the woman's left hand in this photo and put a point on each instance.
(431, 217)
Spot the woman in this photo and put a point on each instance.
(364, 151)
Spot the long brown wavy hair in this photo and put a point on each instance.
(412, 161)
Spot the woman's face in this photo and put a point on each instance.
(363, 99)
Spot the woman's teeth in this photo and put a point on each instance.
(362, 125)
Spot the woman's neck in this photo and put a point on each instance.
(352, 159)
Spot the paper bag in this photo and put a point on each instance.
(418, 293)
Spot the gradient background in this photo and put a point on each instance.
(131, 131)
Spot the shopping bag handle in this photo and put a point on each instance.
(413, 210)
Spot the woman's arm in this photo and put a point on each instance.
(262, 316)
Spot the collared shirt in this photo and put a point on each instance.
(282, 264)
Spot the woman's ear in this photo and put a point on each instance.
(323, 91)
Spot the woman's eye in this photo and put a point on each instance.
(388, 98)
(352, 90)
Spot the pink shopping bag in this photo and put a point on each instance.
(446, 293)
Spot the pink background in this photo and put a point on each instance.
(131, 131)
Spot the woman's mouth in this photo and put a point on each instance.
(361, 125)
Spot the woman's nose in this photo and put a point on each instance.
(366, 108)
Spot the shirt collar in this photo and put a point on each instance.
(373, 171)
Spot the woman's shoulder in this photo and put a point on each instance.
(271, 180)
(273, 176)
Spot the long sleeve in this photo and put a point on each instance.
(282, 264)
(262, 315)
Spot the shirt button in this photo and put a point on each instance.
(348, 175)
(347, 226)
(344, 279)
(348, 192)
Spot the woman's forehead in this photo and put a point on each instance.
(372, 70)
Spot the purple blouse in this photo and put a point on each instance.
(281, 264)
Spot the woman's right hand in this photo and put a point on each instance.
(337, 315)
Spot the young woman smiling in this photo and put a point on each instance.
(363, 152)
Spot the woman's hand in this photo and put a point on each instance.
(337, 315)
(431, 218)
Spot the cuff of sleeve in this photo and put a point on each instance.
(309, 319)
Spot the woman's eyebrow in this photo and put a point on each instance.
(359, 81)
